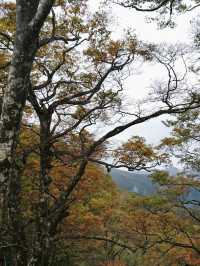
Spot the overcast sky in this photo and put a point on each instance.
(152, 130)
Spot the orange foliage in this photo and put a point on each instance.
(113, 263)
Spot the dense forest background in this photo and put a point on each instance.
(63, 100)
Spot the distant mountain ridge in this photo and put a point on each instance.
(140, 182)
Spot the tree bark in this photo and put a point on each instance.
(30, 16)
(44, 239)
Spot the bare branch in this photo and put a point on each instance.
(163, 3)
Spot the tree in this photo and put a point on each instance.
(92, 212)
(63, 65)
(30, 16)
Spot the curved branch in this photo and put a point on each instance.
(193, 7)
(105, 239)
(163, 3)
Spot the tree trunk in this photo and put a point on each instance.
(13, 104)
(30, 16)
(43, 240)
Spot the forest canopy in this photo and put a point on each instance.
(63, 79)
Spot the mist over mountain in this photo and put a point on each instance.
(140, 182)
(137, 182)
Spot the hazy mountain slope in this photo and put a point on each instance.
(141, 183)
(133, 181)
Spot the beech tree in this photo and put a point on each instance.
(61, 64)
(30, 16)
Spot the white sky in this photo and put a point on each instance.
(153, 130)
